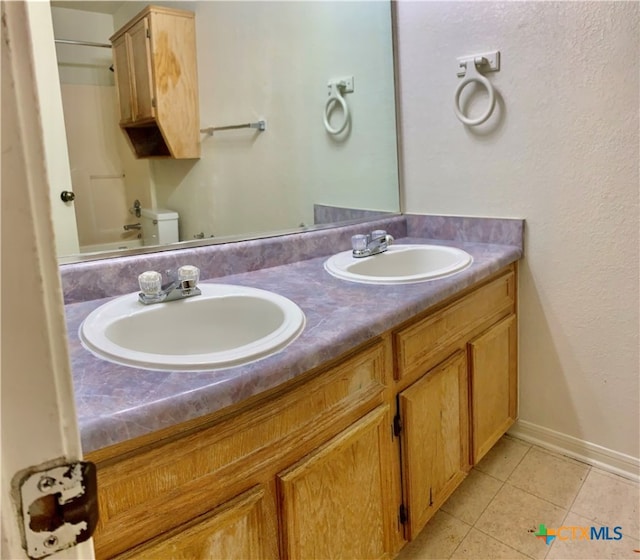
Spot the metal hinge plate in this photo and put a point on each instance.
(59, 507)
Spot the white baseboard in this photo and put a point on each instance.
(590, 453)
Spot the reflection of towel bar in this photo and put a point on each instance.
(260, 125)
(119, 176)
(83, 43)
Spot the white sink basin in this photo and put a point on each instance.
(399, 264)
(225, 326)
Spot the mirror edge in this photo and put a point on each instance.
(137, 251)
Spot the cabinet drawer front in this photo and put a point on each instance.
(220, 459)
(422, 345)
(239, 529)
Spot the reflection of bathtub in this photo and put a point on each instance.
(125, 244)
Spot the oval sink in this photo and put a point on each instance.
(399, 264)
(225, 326)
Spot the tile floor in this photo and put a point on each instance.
(494, 513)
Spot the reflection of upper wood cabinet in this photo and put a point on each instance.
(157, 83)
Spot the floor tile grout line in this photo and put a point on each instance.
(579, 490)
(566, 512)
(505, 544)
(463, 538)
(569, 510)
(560, 455)
(588, 467)
(502, 484)
(537, 497)
(489, 475)
(588, 516)
(485, 508)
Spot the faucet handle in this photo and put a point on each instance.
(189, 276)
(382, 234)
(150, 282)
(359, 242)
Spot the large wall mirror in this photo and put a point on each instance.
(261, 60)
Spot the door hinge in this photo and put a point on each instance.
(397, 425)
(402, 514)
(58, 505)
(153, 102)
(148, 34)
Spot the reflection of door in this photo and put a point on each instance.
(38, 412)
(55, 146)
(97, 168)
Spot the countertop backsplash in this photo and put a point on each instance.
(116, 276)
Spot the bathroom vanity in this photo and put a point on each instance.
(344, 444)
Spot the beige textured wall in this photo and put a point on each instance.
(562, 152)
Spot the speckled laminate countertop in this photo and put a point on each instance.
(116, 403)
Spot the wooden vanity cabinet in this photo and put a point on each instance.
(241, 528)
(493, 369)
(456, 372)
(434, 439)
(336, 502)
(349, 461)
(154, 59)
(188, 491)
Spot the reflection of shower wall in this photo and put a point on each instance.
(105, 176)
(97, 173)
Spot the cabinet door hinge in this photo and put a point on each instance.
(397, 425)
(58, 505)
(148, 34)
(402, 514)
(153, 102)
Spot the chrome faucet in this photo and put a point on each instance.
(181, 286)
(373, 243)
(129, 227)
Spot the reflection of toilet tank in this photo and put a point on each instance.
(159, 226)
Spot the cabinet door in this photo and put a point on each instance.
(494, 390)
(132, 65)
(337, 501)
(140, 70)
(239, 529)
(123, 78)
(434, 439)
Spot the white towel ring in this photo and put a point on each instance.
(335, 96)
(474, 76)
